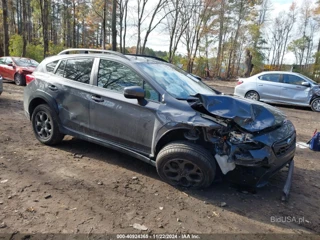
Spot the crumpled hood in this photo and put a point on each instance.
(250, 115)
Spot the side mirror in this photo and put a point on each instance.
(134, 92)
(306, 84)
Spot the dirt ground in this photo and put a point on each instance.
(80, 187)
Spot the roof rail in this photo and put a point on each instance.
(90, 50)
(147, 56)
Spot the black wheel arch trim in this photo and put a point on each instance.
(164, 133)
(41, 98)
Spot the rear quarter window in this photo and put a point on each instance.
(51, 66)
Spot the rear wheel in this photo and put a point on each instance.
(45, 125)
(19, 79)
(186, 164)
(315, 105)
(253, 95)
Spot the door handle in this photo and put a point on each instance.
(260, 84)
(53, 87)
(96, 98)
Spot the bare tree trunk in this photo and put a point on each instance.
(24, 30)
(5, 28)
(140, 16)
(151, 27)
(249, 64)
(221, 21)
(44, 10)
(125, 26)
(104, 24)
(114, 25)
(74, 24)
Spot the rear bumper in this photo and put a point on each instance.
(239, 91)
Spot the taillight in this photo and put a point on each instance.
(239, 82)
(29, 78)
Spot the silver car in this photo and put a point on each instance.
(280, 87)
(1, 83)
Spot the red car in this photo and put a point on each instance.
(16, 68)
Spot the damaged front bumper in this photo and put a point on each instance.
(280, 155)
(254, 167)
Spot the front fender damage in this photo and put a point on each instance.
(253, 142)
(245, 137)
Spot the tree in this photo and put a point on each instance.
(5, 27)
(298, 47)
(44, 10)
(123, 14)
(248, 62)
(153, 22)
(114, 22)
(222, 9)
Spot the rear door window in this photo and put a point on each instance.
(76, 69)
(270, 77)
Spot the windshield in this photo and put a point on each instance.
(174, 80)
(25, 62)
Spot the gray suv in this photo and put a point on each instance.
(159, 114)
(282, 88)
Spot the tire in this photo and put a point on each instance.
(315, 105)
(19, 79)
(45, 125)
(186, 164)
(253, 95)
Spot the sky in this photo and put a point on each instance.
(284, 5)
(159, 39)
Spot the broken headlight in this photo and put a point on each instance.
(244, 140)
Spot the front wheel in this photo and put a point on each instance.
(19, 79)
(186, 164)
(253, 95)
(315, 105)
(45, 125)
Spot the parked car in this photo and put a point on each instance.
(16, 68)
(282, 88)
(1, 84)
(153, 111)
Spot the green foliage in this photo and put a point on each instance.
(15, 45)
(200, 64)
(298, 47)
(35, 52)
(54, 49)
(298, 44)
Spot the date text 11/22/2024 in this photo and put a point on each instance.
(158, 236)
